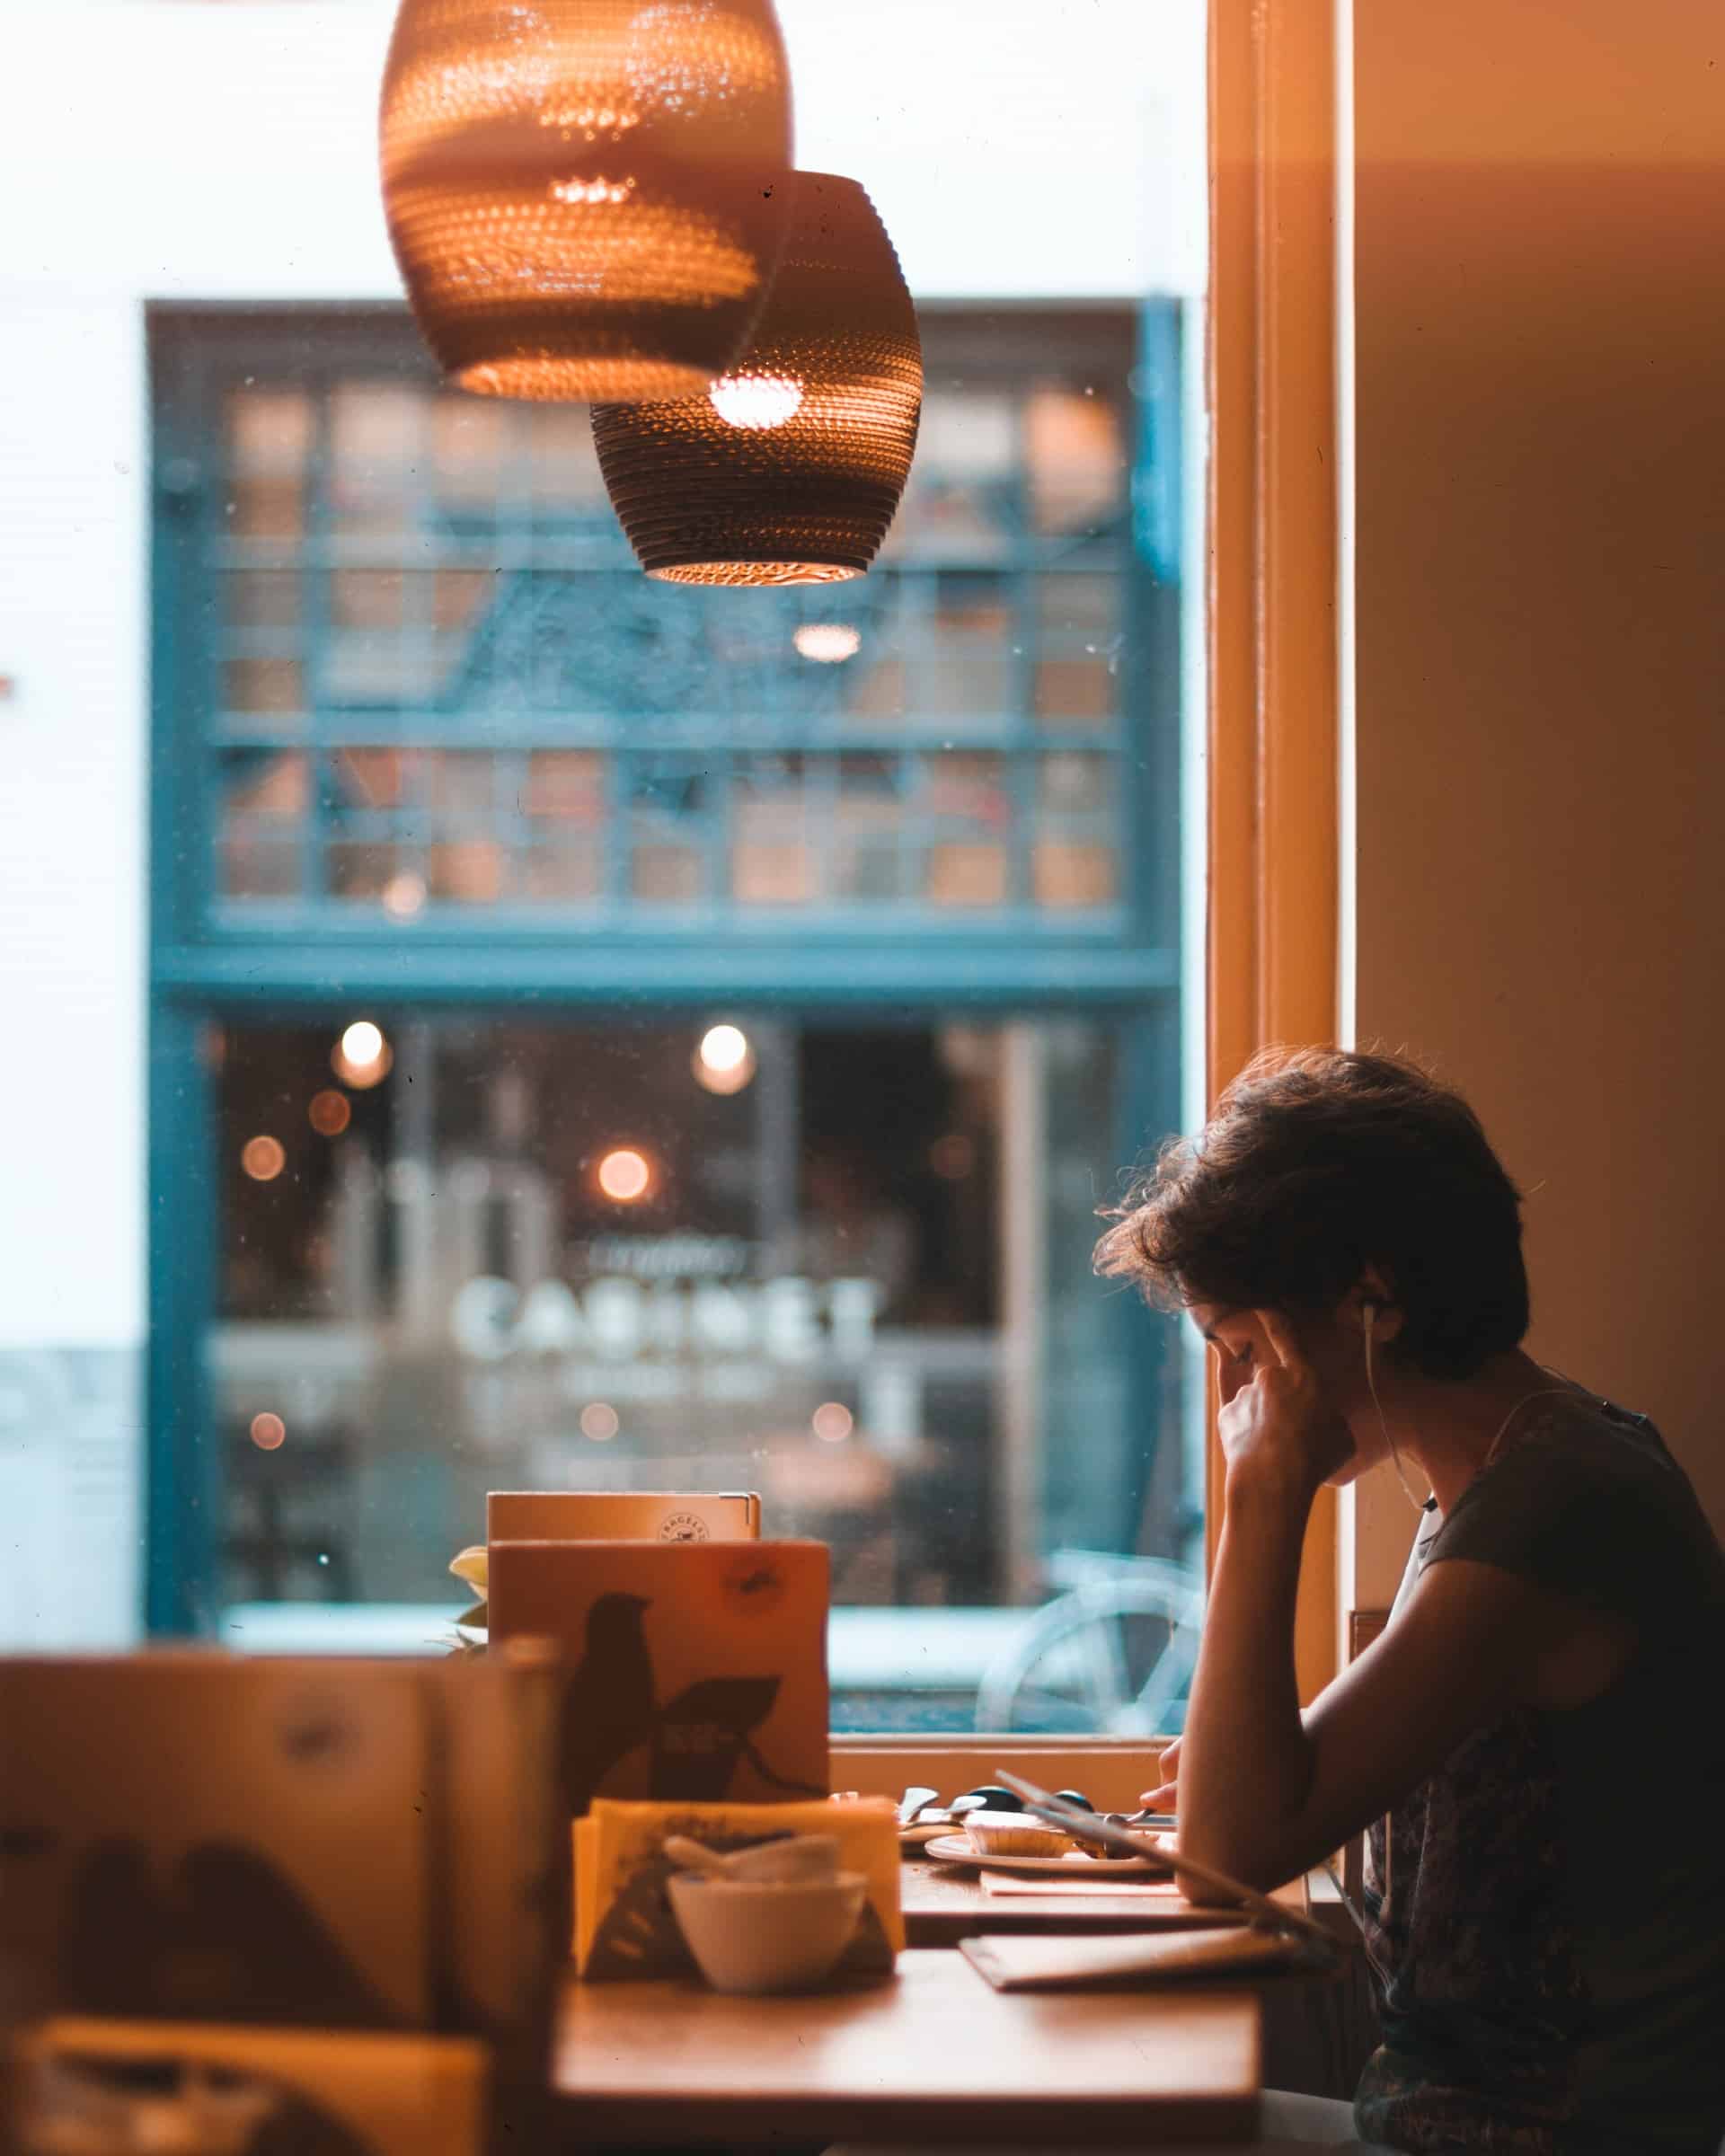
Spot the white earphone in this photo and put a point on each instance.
(1368, 1311)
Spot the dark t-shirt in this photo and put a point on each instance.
(1547, 1914)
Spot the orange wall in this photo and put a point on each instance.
(1540, 530)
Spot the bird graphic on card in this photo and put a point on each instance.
(699, 1738)
(609, 1705)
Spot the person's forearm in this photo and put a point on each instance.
(1245, 1763)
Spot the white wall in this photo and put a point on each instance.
(174, 149)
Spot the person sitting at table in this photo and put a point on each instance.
(1544, 1904)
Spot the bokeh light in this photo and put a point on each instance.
(599, 1421)
(403, 895)
(758, 402)
(833, 1422)
(263, 1158)
(827, 643)
(268, 1431)
(329, 1113)
(625, 1175)
(953, 1156)
(724, 1063)
(362, 1056)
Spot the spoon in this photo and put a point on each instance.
(789, 1857)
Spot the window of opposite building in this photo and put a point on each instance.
(616, 1036)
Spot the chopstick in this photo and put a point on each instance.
(1088, 1827)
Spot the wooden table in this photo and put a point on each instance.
(932, 2055)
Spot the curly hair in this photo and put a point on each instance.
(1317, 1163)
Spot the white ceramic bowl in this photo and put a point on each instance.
(767, 1935)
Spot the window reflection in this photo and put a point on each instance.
(542, 1255)
(408, 573)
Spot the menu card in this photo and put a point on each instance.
(1035, 1962)
(644, 1515)
(696, 1671)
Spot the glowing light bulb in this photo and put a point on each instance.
(758, 402)
(625, 1176)
(827, 643)
(362, 1056)
(724, 1063)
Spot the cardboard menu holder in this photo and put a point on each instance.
(646, 1515)
(695, 1671)
(624, 1925)
(359, 1846)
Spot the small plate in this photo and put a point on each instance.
(958, 1849)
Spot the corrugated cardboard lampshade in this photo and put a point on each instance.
(789, 470)
(587, 198)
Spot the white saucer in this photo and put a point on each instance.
(958, 1849)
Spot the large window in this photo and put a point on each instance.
(610, 1035)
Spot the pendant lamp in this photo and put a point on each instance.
(587, 198)
(789, 469)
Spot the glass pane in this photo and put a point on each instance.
(472, 439)
(262, 598)
(569, 872)
(565, 783)
(1074, 873)
(257, 864)
(371, 778)
(264, 684)
(961, 500)
(458, 596)
(867, 860)
(368, 598)
(967, 872)
(377, 447)
(369, 869)
(275, 784)
(458, 784)
(269, 428)
(467, 871)
(1078, 603)
(562, 467)
(963, 688)
(773, 860)
(1075, 692)
(265, 508)
(1077, 465)
(264, 794)
(666, 874)
(1074, 784)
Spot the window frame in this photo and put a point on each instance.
(205, 970)
(1280, 270)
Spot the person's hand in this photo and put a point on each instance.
(1280, 1428)
(1166, 1795)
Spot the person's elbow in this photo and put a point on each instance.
(1253, 1860)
